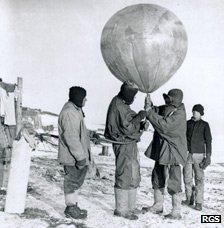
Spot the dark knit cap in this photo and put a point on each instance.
(199, 108)
(128, 92)
(76, 95)
(175, 96)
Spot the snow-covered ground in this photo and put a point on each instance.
(45, 200)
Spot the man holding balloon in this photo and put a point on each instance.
(125, 128)
(172, 151)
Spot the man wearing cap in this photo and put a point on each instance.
(199, 141)
(74, 149)
(170, 150)
(158, 177)
(124, 127)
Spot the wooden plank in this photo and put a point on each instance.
(19, 105)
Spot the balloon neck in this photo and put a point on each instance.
(148, 95)
(147, 100)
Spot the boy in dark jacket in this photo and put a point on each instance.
(199, 141)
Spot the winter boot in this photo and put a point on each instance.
(198, 207)
(72, 199)
(157, 207)
(176, 203)
(132, 201)
(122, 205)
(82, 211)
(74, 212)
(186, 202)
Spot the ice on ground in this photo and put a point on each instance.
(45, 199)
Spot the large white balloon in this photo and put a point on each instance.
(145, 44)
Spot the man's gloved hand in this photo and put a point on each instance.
(95, 138)
(2, 119)
(9, 147)
(95, 135)
(205, 162)
(144, 125)
(81, 164)
(139, 117)
(142, 114)
(148, 103)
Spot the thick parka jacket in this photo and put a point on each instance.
(155, 147)
(199, 138)
(74, 142)
(123, 126)
(172, 130)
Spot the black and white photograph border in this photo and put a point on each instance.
(54, 54)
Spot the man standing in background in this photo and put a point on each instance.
(199, 141)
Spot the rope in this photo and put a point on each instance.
(53, 144)
(42, 138)
(47, 134)
(115, 142)
(101, 139)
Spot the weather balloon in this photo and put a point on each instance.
(145, 44)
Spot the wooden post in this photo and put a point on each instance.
(19, 105)
(105, 150)
(18, 177)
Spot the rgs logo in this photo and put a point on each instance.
(210, 218)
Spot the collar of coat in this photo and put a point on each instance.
(174, 109)
(192, 118)
(76, 107)
(119, 98)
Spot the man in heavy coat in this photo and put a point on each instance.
(169, 150)
(74, 149)
(124, 127)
